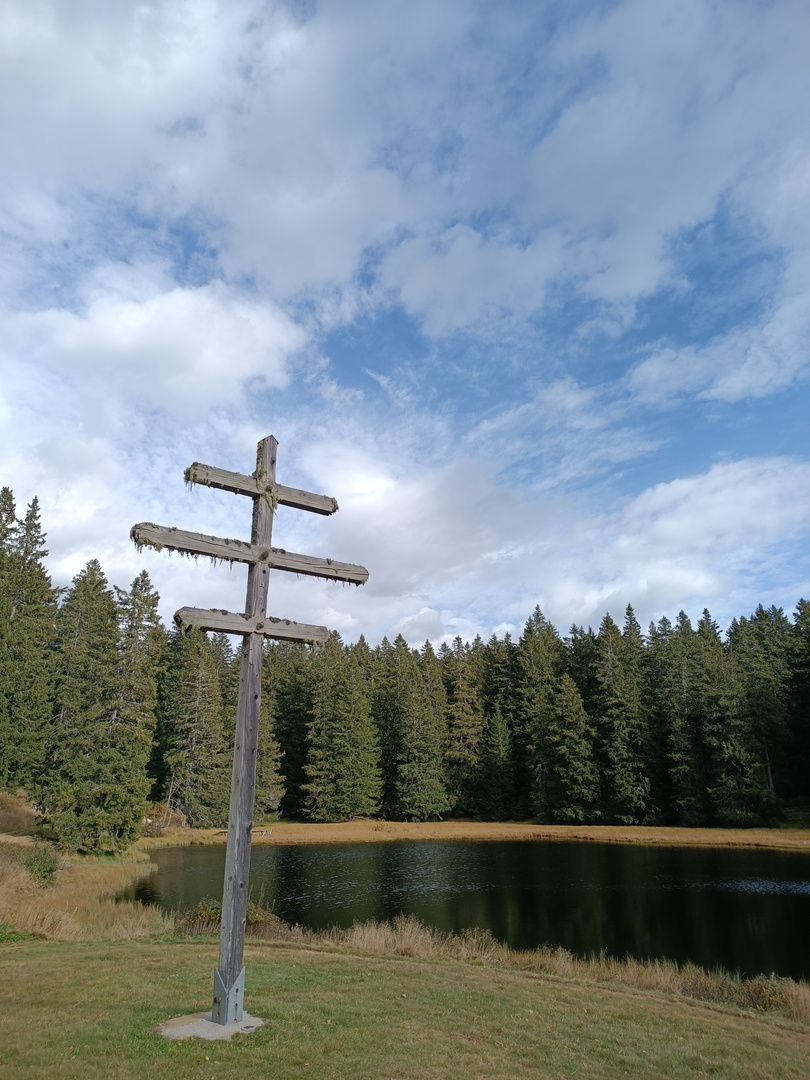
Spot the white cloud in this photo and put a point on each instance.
(751, 363)
(425, 625)
(194, 192)
(463, 280)
(691, 542)
(184, 351)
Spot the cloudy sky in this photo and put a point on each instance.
(524, 285)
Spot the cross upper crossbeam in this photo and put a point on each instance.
(239, 484)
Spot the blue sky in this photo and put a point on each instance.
(523, 285)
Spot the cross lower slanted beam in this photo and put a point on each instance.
(231, 622)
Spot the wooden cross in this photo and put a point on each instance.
(254, 625)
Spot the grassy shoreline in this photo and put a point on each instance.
(91, 1010)
(375, 832)
(85, 996)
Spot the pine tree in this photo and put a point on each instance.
(799, 708)
(93, 791)
(143, 652)
(581, 665)
(433, 677)
(618, 721)
(227, 665)
(269, 779)
(199, 760)
(496, 787)
(735, 781)
(760, 647)
(499, 678)
(342, 769)
(27, 614)
(674, 687)
(465, 728)
(540, 662)
(410, 737)
(8, 518)
(288, 677)
(568, 785)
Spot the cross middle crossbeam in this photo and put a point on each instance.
(147, 534)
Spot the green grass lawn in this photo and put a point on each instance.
(91, 1010)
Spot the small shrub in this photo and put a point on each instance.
(206, 919)
(41, 861)
(7, 933)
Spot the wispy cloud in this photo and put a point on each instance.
(466, 262)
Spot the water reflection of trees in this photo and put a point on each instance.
(684, 904)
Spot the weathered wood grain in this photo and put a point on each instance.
(211, 476)
(147, 534)
(230, 622)
(245, 749)
(254, 625)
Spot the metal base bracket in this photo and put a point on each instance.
(227, 1006)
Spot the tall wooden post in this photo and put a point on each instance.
(254, 625)
(229, 978)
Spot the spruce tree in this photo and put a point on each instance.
(495, 793)
(269, 779)
(385, 709)
(677, 700)
(287, 676)
(433, 677)
(27, 614)
(410, 737)
(93, 791)
(618, 721)
(465, 728)
(199, 759)
(659, 637)
(540, 662)
(342, 769)
(226, 661)
(143, 648)
(499, 678)
(8, 518)
(799, 707)
(735, 780)
(567, 790)
(581, 665)
(760, 648)
(364, 658)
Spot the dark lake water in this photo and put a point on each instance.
(745, 910)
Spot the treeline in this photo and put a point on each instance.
(104, 712)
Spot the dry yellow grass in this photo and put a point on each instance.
(407, 936)
(370, 831)
(80, 904)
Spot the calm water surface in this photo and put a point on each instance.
(748, 911)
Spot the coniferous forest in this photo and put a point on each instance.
(104, 712)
